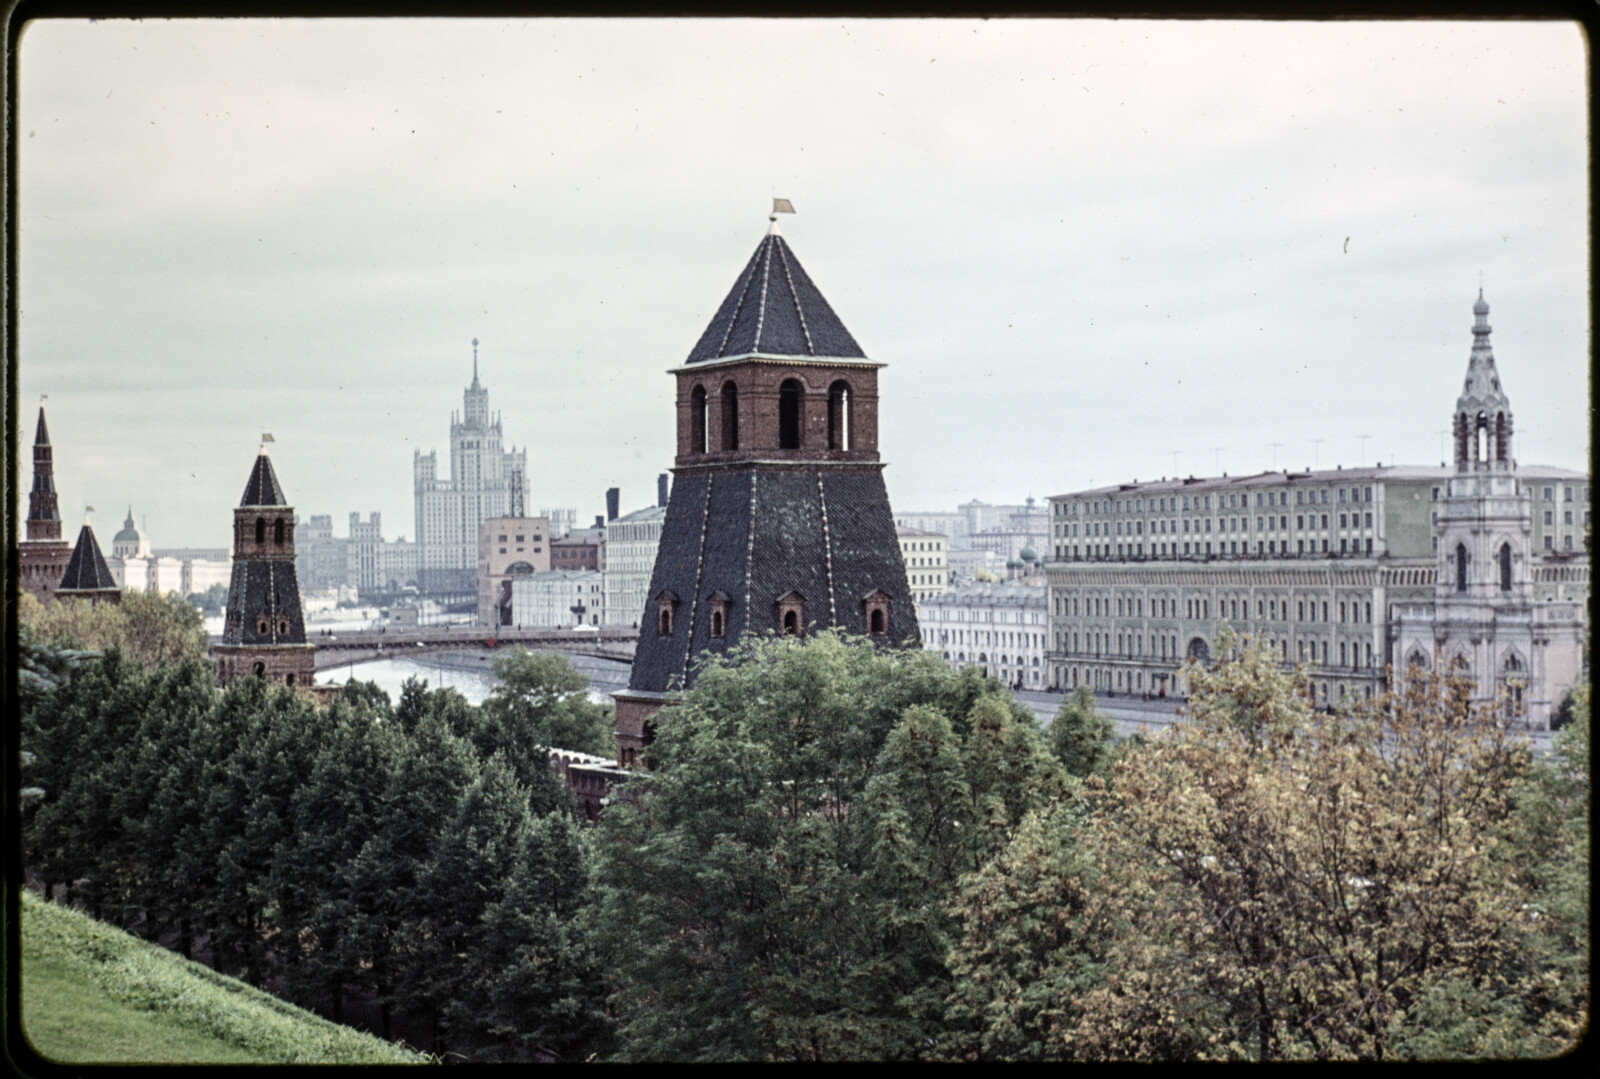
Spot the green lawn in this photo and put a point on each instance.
(91, 993)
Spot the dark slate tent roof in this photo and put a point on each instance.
(87, 570)
(43, 436)
(263, 489)
(774, 309)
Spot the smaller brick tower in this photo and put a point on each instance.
(42, 557)
(87, 576)
(263, 633)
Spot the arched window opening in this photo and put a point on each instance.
(1502, 437)
(1505, 567)
(288, 679)
(277, 532)
(261, 530)
(283, 627)
(716, 623)
(730, 416)
(261, 625)
(791, 399)
(1481, 436)
(259, 670)
(878, 626)
(664, 623)
(1461, 567)
(697, 420)
(791, 624)
(839, 416)
(1199, 650)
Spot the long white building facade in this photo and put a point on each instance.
(1331, 568)
(485, 481)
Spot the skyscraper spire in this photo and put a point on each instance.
(474, 363)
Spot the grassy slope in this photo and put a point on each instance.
(93, 993)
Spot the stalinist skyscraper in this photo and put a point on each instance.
(485, 481)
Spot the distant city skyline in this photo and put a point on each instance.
(1089, 251)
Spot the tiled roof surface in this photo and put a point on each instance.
(42, 437)
(263, 489)
(774, 309)
(264, 587)
(757, 534)
(87, 570)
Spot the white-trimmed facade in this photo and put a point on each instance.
(1001, 627)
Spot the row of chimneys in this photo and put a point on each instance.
(614, 499)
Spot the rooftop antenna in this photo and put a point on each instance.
(1274, 446)
(1315, 444)
(779, 206)
(1441, 432)
(1216, 459)
(1363, 439)
(1174, 460)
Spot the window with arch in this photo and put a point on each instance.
(1461, 567)
(666, 602)
(283, 627)
(839, 415)
(697, 420)
(791, 614)
(718, 603)
(1505, 567)
(277, 532)
(791, 406)
(261, 625)
(730, 415)
(259, 669)
(875, 605)
(288, 679)
(261, 530)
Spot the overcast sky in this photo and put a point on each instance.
(1081, 247)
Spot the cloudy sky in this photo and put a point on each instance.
(1088, 251)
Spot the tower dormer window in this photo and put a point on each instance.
(666, 602)
(791, 614)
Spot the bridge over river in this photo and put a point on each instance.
(336, 649)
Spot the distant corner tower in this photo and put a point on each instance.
(263, 633)
(42, 557)
(87, 576)
(778, 520)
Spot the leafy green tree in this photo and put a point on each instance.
(211, 601)
(778, 886)
(543, 702)
(150, 628)
(546, 997)
(1278, 883)
(1080, 737)
(1026, 949)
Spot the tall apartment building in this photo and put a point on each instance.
(927, 568)
(485, 481)
(1143, 576)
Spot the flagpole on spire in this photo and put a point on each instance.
(265, 438)
(779, 206)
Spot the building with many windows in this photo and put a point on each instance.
(630, 550)
(560, 598)
(927, 569)
(1002, 627)
(1143, 576)
(509, 548)
(485, 481)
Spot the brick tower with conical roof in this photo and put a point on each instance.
(42, 557)
(779, 521)
(263, 632)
